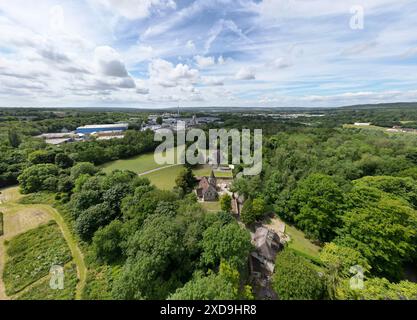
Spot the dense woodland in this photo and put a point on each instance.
(351, 191)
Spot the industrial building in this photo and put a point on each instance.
(95, 128)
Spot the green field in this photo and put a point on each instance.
(301, 244)
(42, 290)
(164, 179)
(211, 206)
(139, 164)
(31, 256)
(205, 171)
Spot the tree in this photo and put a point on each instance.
(381, 289)
(383, 231)
(14, 139)
(318, 203)
(338, 261)
(404, 188)
(342, 259)
(41, 156)
(153, 253)
(63, 161)
(224, 285)
(39, 177)
(83, 168)
(295, 279)
(92, 219)
(230, 243)
(107, 243)
(248, 215)
(114, 196)
(259, 208)
(159, 120)
(226, 203)
(185, 180)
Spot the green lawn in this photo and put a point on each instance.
(205, 171)
(211, 206)
(164, 179)
(301, 244)
(139, 164)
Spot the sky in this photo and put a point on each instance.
(202, 53)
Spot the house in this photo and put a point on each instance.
(207, 188)
(267, 244)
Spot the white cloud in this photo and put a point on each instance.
(245, 73)
(213, 81)
(204, 62)
(165, 74)
(282, 63)
(137, 9)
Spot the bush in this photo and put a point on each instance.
(296, 279)
(40, 177)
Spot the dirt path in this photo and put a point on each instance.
(158, 169)
(21, 218)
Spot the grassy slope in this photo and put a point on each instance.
(301, 244)
(139, 164)
(164, 179)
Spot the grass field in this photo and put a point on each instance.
(211, 206)
(99, 282)
(164, 179)
(31, 255)
(375, 128)
(42, 290)
(205, 171)
(139, 164)
(371, 127)
(301, 244)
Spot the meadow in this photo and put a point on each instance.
(32, 254)
(42, 290)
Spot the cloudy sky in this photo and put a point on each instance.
(164, 53)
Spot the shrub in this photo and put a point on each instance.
(296, 279)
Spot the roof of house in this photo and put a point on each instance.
(267, 243)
